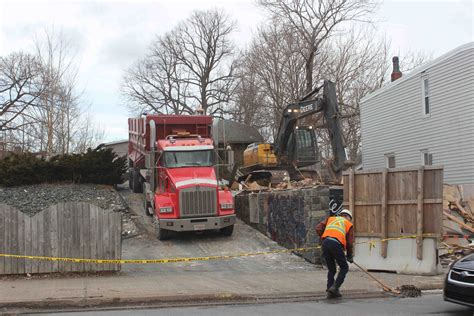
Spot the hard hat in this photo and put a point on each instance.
(345, 212)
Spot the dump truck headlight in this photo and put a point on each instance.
(166, 209)
(227, 206)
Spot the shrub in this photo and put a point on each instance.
(99, 166)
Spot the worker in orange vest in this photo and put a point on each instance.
(337, 235)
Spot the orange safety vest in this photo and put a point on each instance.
(337, 227)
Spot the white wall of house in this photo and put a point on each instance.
(119, 147)
(393, 119)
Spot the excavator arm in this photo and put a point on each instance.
(309, 105)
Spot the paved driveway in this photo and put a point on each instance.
(190, 244)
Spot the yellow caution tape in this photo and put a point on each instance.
(189, 259)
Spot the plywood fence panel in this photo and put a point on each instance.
(395, 202)
(401, 220)
(66, 230)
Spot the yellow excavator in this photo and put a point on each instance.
(295, 146)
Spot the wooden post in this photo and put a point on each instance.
(384, 212)
(419, 215)
(352, 196)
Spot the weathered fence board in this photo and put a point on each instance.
(66, 230)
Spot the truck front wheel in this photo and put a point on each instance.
(161, 234)
(227, 231)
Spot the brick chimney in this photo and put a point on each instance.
(396, 73)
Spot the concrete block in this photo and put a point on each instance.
(401, 256)
(288, 217)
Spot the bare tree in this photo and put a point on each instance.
(270, 76)
(357, 63)
(203, 47)
(315, 21)
(250, 105)
(410, 60)
(189, 67)
(40, 109)
(20, 88)
(89, 135)
(57, 65)
(154, 84)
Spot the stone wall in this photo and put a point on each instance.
(289, 217)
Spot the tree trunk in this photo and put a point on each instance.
(309, 72)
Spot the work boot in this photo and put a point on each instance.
(333, 292)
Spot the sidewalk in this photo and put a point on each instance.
(137, 288)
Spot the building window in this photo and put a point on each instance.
(426, 96)
(426, 158)
(390, 160)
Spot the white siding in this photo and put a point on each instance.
(392, 120)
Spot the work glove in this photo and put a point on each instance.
(350, 259)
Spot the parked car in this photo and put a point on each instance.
(459, 283)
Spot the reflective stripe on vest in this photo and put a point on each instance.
(337, 227)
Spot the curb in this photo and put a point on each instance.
(96, 303)
(101, 303)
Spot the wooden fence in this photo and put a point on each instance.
(400, 202)
(67, 230)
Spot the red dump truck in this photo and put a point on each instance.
(171, 161)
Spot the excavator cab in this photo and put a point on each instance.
(303, 147)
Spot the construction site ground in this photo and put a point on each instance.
(274, 277)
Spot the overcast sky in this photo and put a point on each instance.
(108, 36)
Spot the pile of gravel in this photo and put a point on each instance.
(33, 199)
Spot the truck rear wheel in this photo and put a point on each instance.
(130, 178)
(146, 203)
(136, 183)
(227, 231)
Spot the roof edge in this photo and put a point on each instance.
(420, 69)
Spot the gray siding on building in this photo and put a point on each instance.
(392, 119)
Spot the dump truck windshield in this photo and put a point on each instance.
(196, 158)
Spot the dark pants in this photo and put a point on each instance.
(334, 252)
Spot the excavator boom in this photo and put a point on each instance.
(296, 146)
(325, 103)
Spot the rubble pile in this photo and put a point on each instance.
(458, 224)
(306, 182)
(450, 252)
(287, 185)
(409, 291)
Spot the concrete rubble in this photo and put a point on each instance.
(285, 185)
(458, 225)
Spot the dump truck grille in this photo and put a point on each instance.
(198, 201)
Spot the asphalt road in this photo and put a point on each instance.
(431, 304)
